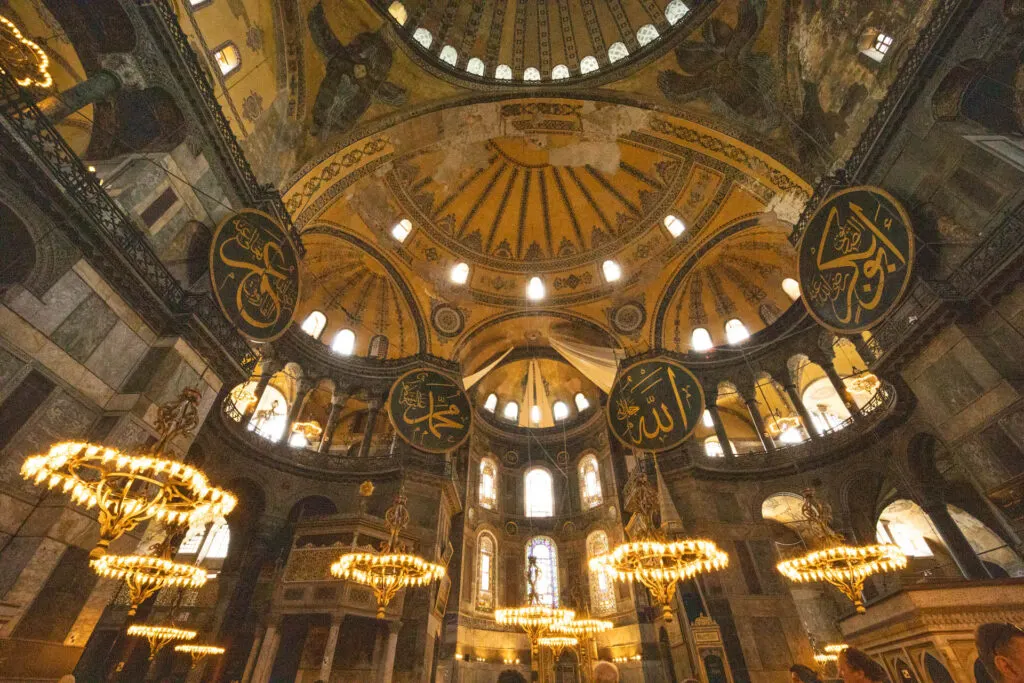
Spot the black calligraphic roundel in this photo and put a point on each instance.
(430, 411)
(254, 269)
(856, 259)
(655, 404)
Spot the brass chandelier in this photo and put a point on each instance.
(159, 636)
(146, 574)
(391, 569)
(844, 566)
(584, 630)
(656, 562)
(199, 652)
(558, 644)
(129, 489)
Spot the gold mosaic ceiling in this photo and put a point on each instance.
(552, 188)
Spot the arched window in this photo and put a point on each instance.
(459, 273)
(560, 411)
(314, 324)
(270, 418)
(707, 420)
(511, 411)
(398, 12)
(674, 226)
(590, 482)
(476, 66)
(378, 346)
(485, 578)
(545, 555)
(491, 403)
(617, 51)
(792, 288)
(206, 544)
(344, 342)
(581, 402)
(700, 340)
(228, 58)
(602, 593)
(488, 489)
(612, 271)
(538, 498)
(531, 74)
(423, 37)
(675, 11)
(559, 72)
(401, 229)
(535, 290)
(503, 72)
(589, 64)
(712, 448)
(736, 331)
(646, 34)
(449, 55)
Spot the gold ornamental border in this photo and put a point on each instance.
(911, 256)
(656, 359)
(420, 447)
(298, 260)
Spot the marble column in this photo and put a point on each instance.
(96, 88)
(327, 663)
(723, 438)
(387, 663)
(801, 410)
(967, 561)
(754, 409)
(268, 654)
(337, 403)
(837, 383)
(254, 652)
(372, 410)
(302, 389)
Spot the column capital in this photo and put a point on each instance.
(394, 626)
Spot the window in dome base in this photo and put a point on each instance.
(511, 411)
(314, 324)
(535, 289)
(700, 340)
(736, 331)
(449, 55)
(617, 51)
(792, 288)
(581, 402)
(476, 66)
(491, 403)
(612, 271)
(401, 229)
(344, 343)
(674, 226)
(503, 72)
(560, 411)
(460, 273)
(589, 64)
(423, 37)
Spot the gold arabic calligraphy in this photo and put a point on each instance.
(854, 258)
(652, 406)
(429, 407)
(267, 289)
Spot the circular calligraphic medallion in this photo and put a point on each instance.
(430, 411)
(655, 404)
(254, 269)
(856, 259)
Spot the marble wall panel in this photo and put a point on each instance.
(84, 329)
(47, 313)
(116, 356)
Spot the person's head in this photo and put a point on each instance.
(856, 666)
(1001, 651)
(799, 673)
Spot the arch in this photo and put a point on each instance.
(136, 121)
(531, 73)
(476, 66)
(19, 249)
(344, 342)
(538, 493)
(559, 72)
(545, 552)
(617, 51)
(675, 10)
(270, 417)
(735, 331)
(646, 34)
(314, 324)
(487, 487)
(589, 64)
(589, 481)
(486, 570)
(449, 55)
(312, 507)
(602, 592)
(937, 671)
(423, 37)
(503, 72)
(700, 340)
(378, 346)
(826, 407)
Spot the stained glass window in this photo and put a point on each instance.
(590, 482)
(485, 578)
(488, 489)
(602, 593)
(539, 498)
(543, 549)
